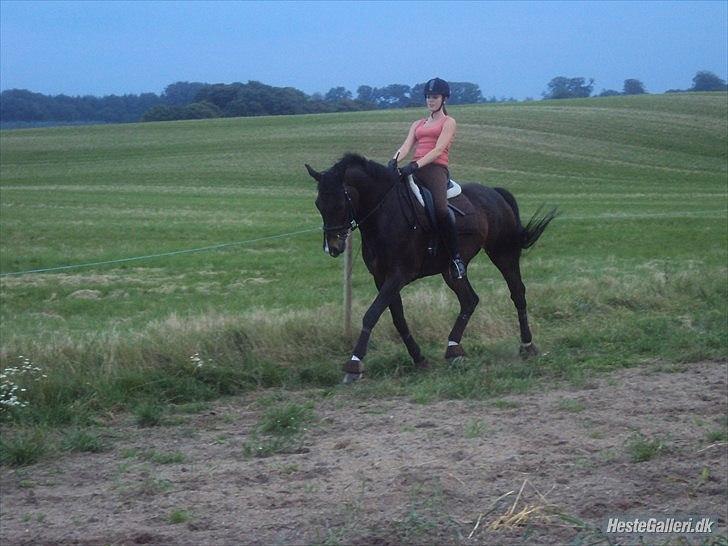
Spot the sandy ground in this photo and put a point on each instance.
(386, 472)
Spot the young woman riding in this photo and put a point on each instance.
(431, 138)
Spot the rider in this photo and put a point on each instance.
(431, 138)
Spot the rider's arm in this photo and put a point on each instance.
(404, 150)
(446, 136)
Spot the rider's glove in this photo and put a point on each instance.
(392, 165)
(409, 169)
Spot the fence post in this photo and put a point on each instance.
(348, 265)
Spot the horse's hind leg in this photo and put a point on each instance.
(468, 301)
(508, 263)
(397, 310)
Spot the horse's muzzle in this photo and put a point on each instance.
(335, 245)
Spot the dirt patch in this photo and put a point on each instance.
(385, 472)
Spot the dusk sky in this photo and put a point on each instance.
(510, 49)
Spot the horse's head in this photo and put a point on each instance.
(336, 211)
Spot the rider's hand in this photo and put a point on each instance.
(409, 169)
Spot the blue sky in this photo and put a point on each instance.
(508, 48)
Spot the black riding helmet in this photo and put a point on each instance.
(437, 86)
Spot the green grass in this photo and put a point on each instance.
(633, 270)
(475, 428)
(641, 448)
(149, 414)
(166, 457)
(426, 516)
(84, 441)
(286, 420)
(178, 516)
(570, 405)
(23, 447)
(281, 429)
(718, 435)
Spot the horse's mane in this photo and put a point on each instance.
(376, 170)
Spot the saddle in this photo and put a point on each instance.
(457, 202)
(424, 196)
(423, 207)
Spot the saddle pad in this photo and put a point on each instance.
(453, 189)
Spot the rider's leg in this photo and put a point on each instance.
(435, 178)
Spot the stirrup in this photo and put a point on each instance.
(457, 268)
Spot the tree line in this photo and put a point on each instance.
(574, 88)
(196, 100)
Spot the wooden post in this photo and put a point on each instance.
(348, 265)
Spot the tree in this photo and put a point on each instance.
(219, 94)
(246, 105)
(22, 105)
(182, 93)
(569, 88)
(465, 93)
(201, 110)
(707, 81)
(258, 99)
(609, 93)
(395, 95)
(365, 93)
(337, 94)
(634, 87)
(162, 113)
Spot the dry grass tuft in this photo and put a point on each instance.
(523, 510)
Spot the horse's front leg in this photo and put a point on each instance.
(468, 302)
(400, 324)
(389, 290)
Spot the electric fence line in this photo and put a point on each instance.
(151, 256)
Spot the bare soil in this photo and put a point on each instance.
(388, 471)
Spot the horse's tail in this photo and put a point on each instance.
(530, 233)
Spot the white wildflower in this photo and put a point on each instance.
(11, 380)
(198, 361)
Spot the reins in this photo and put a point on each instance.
(354, 223)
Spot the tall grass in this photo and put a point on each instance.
(583, 326)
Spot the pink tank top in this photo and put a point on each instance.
(426, 140)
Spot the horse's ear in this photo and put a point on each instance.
(316, 176)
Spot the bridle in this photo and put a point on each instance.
(352, 223)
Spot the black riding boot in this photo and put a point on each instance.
(450, 234)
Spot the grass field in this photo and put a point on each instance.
(633, 270)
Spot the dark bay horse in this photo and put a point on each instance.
(357, 192)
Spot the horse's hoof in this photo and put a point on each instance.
(528, 350)
(454, 353)
(350, 378)
(422, 364)
(353, 367)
